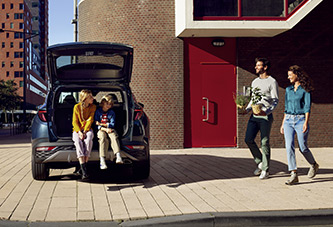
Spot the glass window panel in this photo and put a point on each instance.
(260, 8)
(215, 8)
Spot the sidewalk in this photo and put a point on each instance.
(198, 185)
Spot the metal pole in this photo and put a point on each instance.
(74, 21)
(24, 82)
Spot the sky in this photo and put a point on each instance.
(61, 13)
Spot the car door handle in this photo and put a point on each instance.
(207, 109)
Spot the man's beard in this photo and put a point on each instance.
(261, 71)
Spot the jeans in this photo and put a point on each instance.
(294, 124)
(262, 124)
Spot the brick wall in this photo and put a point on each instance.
(308, 44)
(157, 79)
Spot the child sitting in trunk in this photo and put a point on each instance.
(105, 121)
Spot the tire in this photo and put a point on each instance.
(141, 170)
(39, 171)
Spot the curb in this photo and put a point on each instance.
(290, 218)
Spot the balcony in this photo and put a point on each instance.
(239, 18)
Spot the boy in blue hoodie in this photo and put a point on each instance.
(105, 121)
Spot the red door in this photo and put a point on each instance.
(210, 112)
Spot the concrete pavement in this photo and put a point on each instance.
(200, 187)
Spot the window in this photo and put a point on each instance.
(7, 35)
(21, 6)
(7, 54)
(16, 74)
(238, 9)
(18, 54)
(21, 83)
(21, 26)
(215, 8)
(7, 74)
(7, 15)
(34, 4)
(18, 16)
(11, 25)
(18, 35)
(21, 44)
(3, 6)
(21, 64)
(11, 5)
(11, 64)
(3, 25)
(36, 18)
(3, 64)
(3, 45)
(11, 44)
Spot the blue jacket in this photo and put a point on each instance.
(111, 116)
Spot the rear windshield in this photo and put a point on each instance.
(76, 61)
(92, 64)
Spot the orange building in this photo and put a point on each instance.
(23, 43)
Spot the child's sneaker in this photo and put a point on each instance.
(102, 163)
(119, 160)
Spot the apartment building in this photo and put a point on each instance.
(24, 39)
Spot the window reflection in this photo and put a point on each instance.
(215, 8)
(292, 4)
(261, 8)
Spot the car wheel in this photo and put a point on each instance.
(141, 170)
(40, 171)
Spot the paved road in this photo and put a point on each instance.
(196, 185)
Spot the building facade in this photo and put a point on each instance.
(191, 56)
(23, 48)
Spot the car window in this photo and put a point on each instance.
(106, 61)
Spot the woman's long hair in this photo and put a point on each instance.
(303, 77)
(83, 96)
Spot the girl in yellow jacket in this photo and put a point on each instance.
(83, 117)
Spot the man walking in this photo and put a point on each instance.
(263, 120)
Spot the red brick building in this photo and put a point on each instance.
(23, 47)
(190, 56)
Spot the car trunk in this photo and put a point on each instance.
(65, 98)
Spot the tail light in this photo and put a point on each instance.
(45, 148)
(135, 147)
(138, 114)
(42, 115)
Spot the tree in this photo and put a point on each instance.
(9, 99)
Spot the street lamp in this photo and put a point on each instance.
(31, 35)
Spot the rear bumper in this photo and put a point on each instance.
(64, 152)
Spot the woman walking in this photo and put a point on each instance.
(83, 117)
(296, 120)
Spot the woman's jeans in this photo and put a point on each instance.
(294, 124)
(262, 124)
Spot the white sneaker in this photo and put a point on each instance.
(258, 170)
(119, 160)
(102, 163)
(264, 175)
